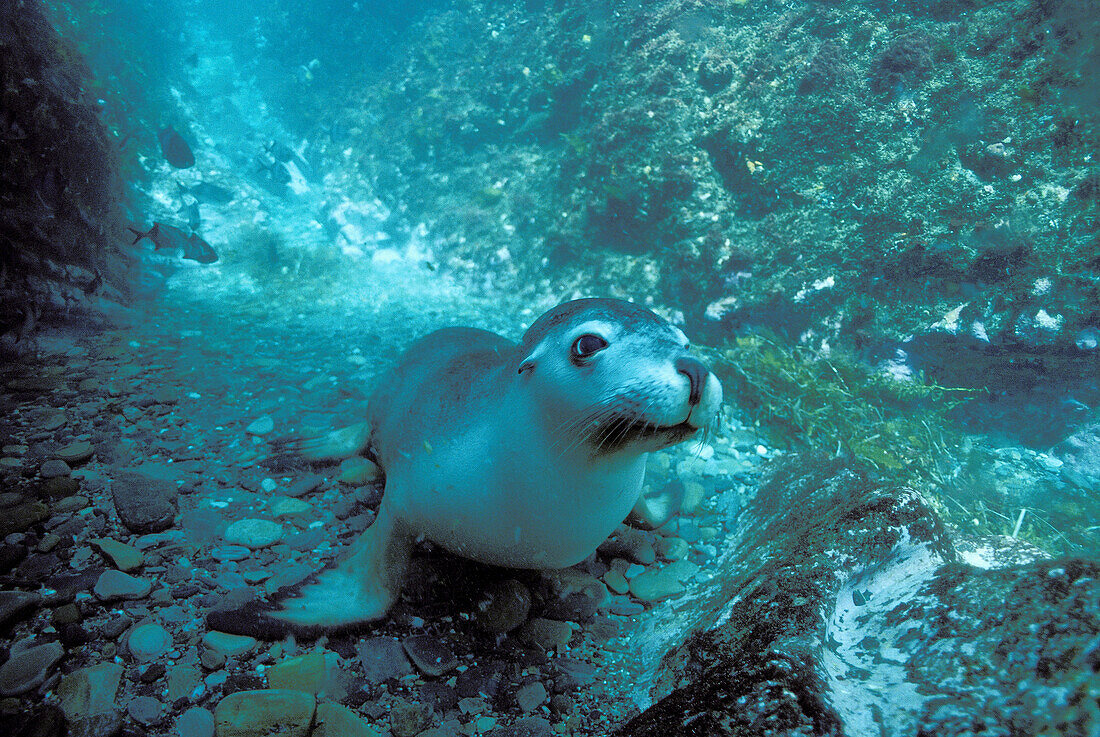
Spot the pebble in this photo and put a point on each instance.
(144, 504)
(184, 681)
(305, 485)
(148, 642)
(113, 585)
(382, 659)
(616, 581)
(89, 692)
(694, 494)
(531, 696)
(144, 710)
(124, 557)
(429, 654)
(54, 468)
(254, 533)
(285, 506)
(262, 426)
(272, 711)
(408, 719)
(75, 453)
(358, 470)
(573, 595)
(229, 645)
(303, 673)
(223, 553)
(656, 584)
(629, 543)
(195, 722)
(16, 605)
(527, 727)
(335, 720)
(21, 517)
(572, 675)
(546, 634)
(27, 666)
(672, 548)
(506, 606)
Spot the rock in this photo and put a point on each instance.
(429, 654)
(223, 553)
(853, 616)
(196, 722)
(263, 713)
(334, 720)
(75, 453)
(60, 487)
(505, 606)
(358, 470)
(87, 697)
(144, 504)
(54, 468)
(672, 548)
(531, 696)
(27, 666)
(303, 673)
(22, 516)
(144, 710)
(616, 581)
(15, 605)
(124, 557)
(629, 543)
(305, 485)
(408, 719)
(656, 584)
(254, 533)
(114, 585)
(572, 675)
(148, 642)
(546, 634)
(184, 681)
(527, 727)
(285, 506)
(572, 595)
(230, 645)
(383, 659)
(261, 426)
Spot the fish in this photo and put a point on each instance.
(208, 192)
(169, 237)
(175, 149)
(190, 210)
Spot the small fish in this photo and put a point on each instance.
(190, 210)
(169, 237)
(175, 149)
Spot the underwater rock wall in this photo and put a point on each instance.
(850, 172)
(60, 194)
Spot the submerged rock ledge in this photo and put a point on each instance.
(846, 609)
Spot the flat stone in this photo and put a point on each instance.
(60, 487)
(656, 584)
(526, 727)
(572, 675)
(196, 722)
(22, 516)
(383, 659)
(90, 692)
(124, 557)
(429, 654)
(531, 696)
(229, 645)
(53, 468)
(264, 713)
(144, 504)
(546, 634)
(616, 581)
(358, 470)
(145, 710)
(305, 485)
(113, 585)
(408, 719)
(505, 606)
(334, 720)
(26, 669)
(184, 681)
(254, 533)
(672, 548)
(148, 642)
(16, 605)
(261, 426)
(302, 673)
(75, 453)
(230, 552)
(572, 595)
(285, 506)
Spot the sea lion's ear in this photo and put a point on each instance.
(532, 358)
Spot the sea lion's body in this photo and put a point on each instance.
(522, 455)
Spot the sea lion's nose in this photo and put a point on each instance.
(697, 375)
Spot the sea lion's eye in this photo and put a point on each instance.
(587, 345)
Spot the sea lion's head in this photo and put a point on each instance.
(614, 377)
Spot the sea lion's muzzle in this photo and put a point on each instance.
(696, 374)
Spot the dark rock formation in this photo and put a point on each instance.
(845, 610)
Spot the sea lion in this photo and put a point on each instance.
(526, 456)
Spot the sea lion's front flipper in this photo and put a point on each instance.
(359, 588)
(334, 445)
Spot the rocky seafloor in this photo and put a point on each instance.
(783, 596)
